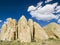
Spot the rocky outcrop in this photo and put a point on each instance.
(9, 30)
(3, 31)
(40, 34)
(30, 24)
(26, 31)
(53, 30)
(24, 35)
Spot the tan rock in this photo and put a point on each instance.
(24, 35)
(27, 31)
(10, 30)
(53, 30)
(15, 29)
(19, 28)
(30, 23)
(40, 34)
(12, 27)
(3, 31)
(6, 36)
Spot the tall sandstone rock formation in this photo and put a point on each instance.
(24, 35)
(40, 34)
(11, 26)
(53, 30)
(24, 31)
(30, 24)
(3, 31)
(9, 30)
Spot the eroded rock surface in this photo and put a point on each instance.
(53, 30)
(26, 31)
(40, 34)
(24, 35)
(30, 24)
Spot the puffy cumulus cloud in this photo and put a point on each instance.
(46, 12)
(5, 22)
(31, 8)
(58, 20)
(47, 1)
(0, 20)
(58, 9)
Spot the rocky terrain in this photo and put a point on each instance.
(28, 31)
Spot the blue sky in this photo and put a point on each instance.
(17, 8)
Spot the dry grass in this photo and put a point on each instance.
(46, 42)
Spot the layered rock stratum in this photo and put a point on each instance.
(26, 31)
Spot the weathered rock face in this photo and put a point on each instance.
(11, 26)
(24, 35)
(26, 31)
(30, 24)
(4, 29)
(23, 30)
(15, 29)
(40, 34)
(53, 30)
(9, 30)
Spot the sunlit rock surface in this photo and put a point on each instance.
(40, 34)
(9, 30)
(3, 31)
(30, 24)
(24, 35)
(26, 31)
(53, 30)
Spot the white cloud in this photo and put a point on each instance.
(58, 20)
(0, 20)
(0, 29)
(31, 8)
(58, 8)
(46, 12)
(5, 22)
(39, 4)
(48, 1)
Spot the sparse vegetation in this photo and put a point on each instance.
(46, 42)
